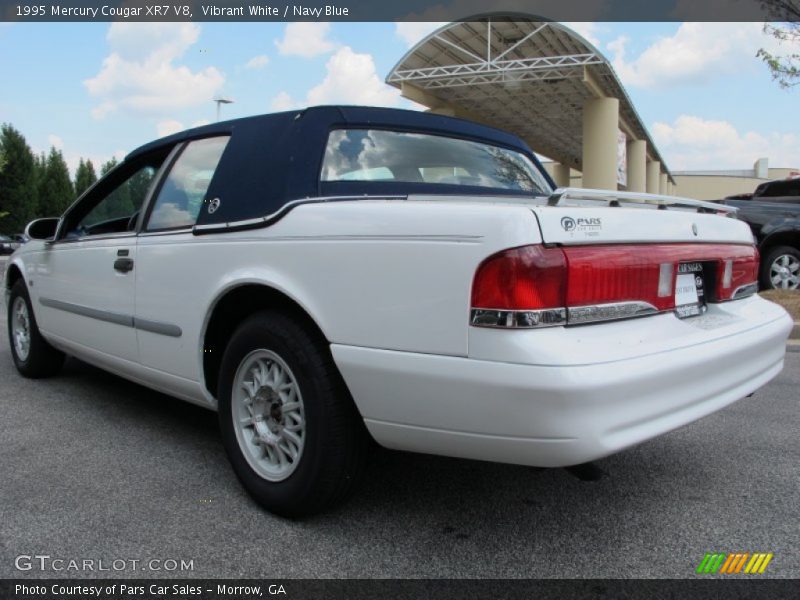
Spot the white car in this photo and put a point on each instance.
(327, 275)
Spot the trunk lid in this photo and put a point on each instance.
(580, 217)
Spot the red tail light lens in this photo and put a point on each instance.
(625, 280)
(737, 271)
(526, 278)
(606, 274)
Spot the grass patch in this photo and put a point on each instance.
(788, 299)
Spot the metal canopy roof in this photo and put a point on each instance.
(522, 74)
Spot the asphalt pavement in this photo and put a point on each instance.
(96, 468)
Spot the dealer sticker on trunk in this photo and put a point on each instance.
(689, 297)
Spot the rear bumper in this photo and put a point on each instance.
(560, 414)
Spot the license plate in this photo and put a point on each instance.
(689, 293)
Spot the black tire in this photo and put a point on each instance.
(768, 260)
(335, 441)
(43, 360)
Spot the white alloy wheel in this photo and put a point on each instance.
(268, 413)
(784, 272)
(21, 328)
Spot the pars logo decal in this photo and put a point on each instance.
(589, 226)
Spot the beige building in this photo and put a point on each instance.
(707, 185)
(712, 185)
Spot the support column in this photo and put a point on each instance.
(600, 127)
(561, 174)
(637, 170)
(653, 169)
(662, 184)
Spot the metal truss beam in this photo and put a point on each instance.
(504, 77)
(520, 67)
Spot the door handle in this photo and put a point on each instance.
(123, 265)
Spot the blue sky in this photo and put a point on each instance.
(99, 90)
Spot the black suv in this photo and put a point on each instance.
(773, 213)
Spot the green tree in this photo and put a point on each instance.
(107, 166)
(55, 187)
(785, 67)
(2, 164)
(118, 203)
(84, 176)
(18, 194)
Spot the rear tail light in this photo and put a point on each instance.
(739, 276)
(534, 286)
(521, 287)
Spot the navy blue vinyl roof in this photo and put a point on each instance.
(274, 159)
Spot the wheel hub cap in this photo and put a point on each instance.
(269, 415)
(785, 272)
(20, 328)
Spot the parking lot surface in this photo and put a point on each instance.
(94, 467)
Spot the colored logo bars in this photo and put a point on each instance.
(741, 562)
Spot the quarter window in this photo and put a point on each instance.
(182, 195)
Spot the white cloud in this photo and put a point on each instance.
(257, 62)
(692, 143)
(55, 141)
(697, 52)
(412, 32)
(305, 39)
(350, 79)
(283, 101)
(168, 127)
(588, 30)
(140, 74)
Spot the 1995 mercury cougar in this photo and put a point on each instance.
(324, 275)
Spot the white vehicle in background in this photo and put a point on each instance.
(320, 275)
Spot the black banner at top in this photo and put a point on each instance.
(395, 10)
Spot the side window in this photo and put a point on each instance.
(115, 211)
(184, 190)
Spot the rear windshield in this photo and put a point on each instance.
(392, 156)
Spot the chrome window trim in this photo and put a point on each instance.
(95, 238)
(282, 211)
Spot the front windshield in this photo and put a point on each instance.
(391, 156)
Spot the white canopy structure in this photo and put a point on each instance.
(543, 82)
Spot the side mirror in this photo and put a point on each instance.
(42, 229)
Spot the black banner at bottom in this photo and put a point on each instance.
(394, 589)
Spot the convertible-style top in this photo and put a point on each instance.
(274, 160)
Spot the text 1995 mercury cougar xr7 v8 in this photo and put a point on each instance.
(324, 275)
